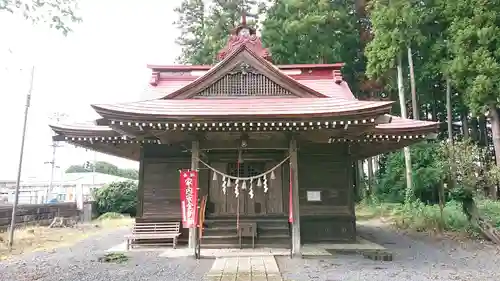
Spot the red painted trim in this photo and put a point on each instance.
(207, 67)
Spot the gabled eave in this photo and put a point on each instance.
(244, 54)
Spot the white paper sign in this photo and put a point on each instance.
(314, 196)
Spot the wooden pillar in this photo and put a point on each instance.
(140, 186)
(195, 153)
(296, 251)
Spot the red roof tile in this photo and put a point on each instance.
(269, 107)
(88, 128)
(398, 124)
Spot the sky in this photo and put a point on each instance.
(103, 61)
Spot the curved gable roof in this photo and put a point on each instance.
(244, 55)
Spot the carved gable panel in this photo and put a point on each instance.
(243, 80)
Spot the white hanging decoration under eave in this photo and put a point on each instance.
(250, 193)
(236, 188)
(224, 185)
(261, 179)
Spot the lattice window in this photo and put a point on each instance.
(246, 169)
(243, 80)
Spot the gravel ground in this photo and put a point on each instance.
(80, 263)
(416, 258)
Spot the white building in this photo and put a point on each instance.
(72, 187)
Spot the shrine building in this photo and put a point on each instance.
(269, 142)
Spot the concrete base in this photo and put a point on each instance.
(363, 246)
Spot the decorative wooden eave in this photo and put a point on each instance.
(84, 129)
(205, 110)
(244, 57)
(400, 126)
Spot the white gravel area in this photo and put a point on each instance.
(416, 258)
(80, 263)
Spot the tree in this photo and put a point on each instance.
(104, 168)
(191, 23)
(395, 26)
(117, 197)
(315, 31)
(427, 174)
(475, 66)
(58, 14)
(206, 25)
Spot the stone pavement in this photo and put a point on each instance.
(261, 268)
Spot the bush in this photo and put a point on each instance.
(426, 175)
(117, 197)
(418, 216)
(111, 216)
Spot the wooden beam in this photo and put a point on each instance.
(126, 131)
(195, 154)
(296, 241)
(250, 145)
(58, 138)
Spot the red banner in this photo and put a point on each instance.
(189, 198)
(290, 203)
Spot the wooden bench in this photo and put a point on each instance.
(154, 231)
(247, 229)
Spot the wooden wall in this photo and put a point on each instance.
(263, 204)
(159, 182)
(326, 170)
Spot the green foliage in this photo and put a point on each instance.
(434, 163)
(474, 43)
(58, 14)
(468, 165)
(113, 258)
(293, 30)
(427, 175)
(395, 25)
(420, 217)
(206, 25)
(118, 197)
(104, 168)
(111, 216)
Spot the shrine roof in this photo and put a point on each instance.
(88, 128)
(282, 107)
(395, 126)
(399, 124)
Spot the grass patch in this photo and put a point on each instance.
(113, 258)
(42, 238)
(426, 218)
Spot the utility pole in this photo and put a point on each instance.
(52, 162)
(57, 117)
(20, 165)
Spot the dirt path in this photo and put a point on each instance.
(416, 258)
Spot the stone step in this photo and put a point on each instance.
(245, 245)
(261, 223)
